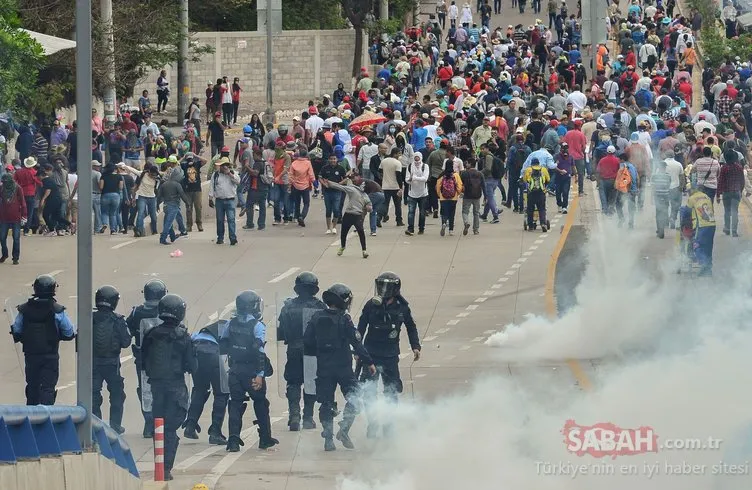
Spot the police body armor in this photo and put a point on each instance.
(40, 335)
(145, 325)
(242, 346)
(385, 323)
(105, 343)
(210, 348)
(140, 313)
(332, 345)
(299, 312)
(162, 362)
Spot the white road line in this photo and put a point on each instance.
(226, 462)
(228, 308)
(472, 307)
(465, 347)
(488, 293)
(419, 376)
(538, 241)
(489, 332)
(430, 338)
(404, 356)
(515, 266)
(462, 314)
(527, 254)
(126, 358)
(522, 259)
(504, 279)
(213, 316)
(533, 247)
(496, 286)
(284, 275)
(53, 274)
(434, 366)
(123, 359)
(453, 322)
(481, 299)
(478, 339)
(443, 330)
(510, 273)
(124, 244)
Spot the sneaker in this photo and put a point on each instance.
(726, 232)
(276, 223)
(255, 207)
(443, 229)
(385, 219)
(373, 233)
(484, 219)
(15, 261)
(301, 222)
(435, 214)
(408, 232)
(50, 233)
(495, 220)
(3, 259)
(733, 234)
(464, 230)
(246, 227)
(242, 211)
(218, 242)
(400, 223)
(185, 233)
(451, 232)
(560, 208)
(200, 228)
(564, 211)
(233, 242)
(340, 251)
(476, 232)
(334, 231)
(420, 232)
(365, 254)
(328, 232)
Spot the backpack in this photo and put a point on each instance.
(520, 157)
(497, 168)
(473, 185)
(448, 187)
(623, 180)
(685, 219)
(268, 176)
(536, 179)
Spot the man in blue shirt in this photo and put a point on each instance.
(243, 339)
(40, 326)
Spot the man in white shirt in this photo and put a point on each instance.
(701, 124)
(611, 89)
(417, 195)
(707, 115)
(577, 99)
(676, 172)
(391, 184)
(148, 124)
(313, 124)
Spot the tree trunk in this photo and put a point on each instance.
(358, 55)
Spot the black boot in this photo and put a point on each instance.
(234, 443)
(308, 423)
(215, 436)
(148, 432)
(294, 424)
(192, 430)
(343, 435)
(266, 440)
(327, 434)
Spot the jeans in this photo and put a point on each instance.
(515, 193)
(391, 195)
(16, 229)
(256, 197)
(563, 183)
(32, 223)
(704, 248)
(96, 205)
(448, 210)
(367, 174)
(607, 193)
(433, 197)
(731, 211)
(420, 204)
(708, 191)
(631, 200)
(227, 113)
(675, 202)
(536, 200)
(144, 205)
(225, 208)
(580, 166)
(171, 214)
(349, 221)
(377, 201)
(661, 213)
(110, 210)
(297, 196)
(466, 205)
(491, 185)
(281, 199)
(332, 201)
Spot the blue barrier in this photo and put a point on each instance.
(33, 432)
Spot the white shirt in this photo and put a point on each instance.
(389, 169)
(72, 179)
(709, 116)
(227, 95)
(578, 100)
(154, 129)
(700, 125)
(644, 82)
(453, 12)
(611, 89)
(313, 124)
(417, 178)
(675, 170)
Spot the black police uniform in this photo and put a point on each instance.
(207, 376)
(329, 336)
(167, 353)
(110, 336)
(247, 360)
(380, 325)
(146, 311)
(293, 321)
(41, 336)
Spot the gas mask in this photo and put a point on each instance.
(385, 289)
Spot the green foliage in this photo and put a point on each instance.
(312, 15)
(241, 15)
(19, 64)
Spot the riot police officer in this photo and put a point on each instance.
(243, 340)
(293, 321)
(380, 323)
(109, 337)
(329, 336)
(141, 318)
(167, 353)
(210, 374)
(40, 326)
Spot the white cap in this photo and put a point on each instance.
(611, 149)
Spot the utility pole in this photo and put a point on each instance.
(273, 18)
(183, 80)
(109, 95)
(384, 10)
(85, 229)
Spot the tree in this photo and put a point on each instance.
(21, 59)
(356, 12)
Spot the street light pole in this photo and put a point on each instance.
(85, 229)
(183, 81)
(110, 94)
(269, 116)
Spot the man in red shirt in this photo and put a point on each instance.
(685, 87)
(606, 171)
(27, 179)
(577, 142)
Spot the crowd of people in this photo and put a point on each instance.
(443, 119)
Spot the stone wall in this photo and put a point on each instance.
(306, 64)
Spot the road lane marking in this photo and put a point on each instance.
(478, 339)
(488, 292)
(403, 356)
(510, 273)
(449, 358)
(443, 330)
(527, 254)
(538, 241)
(504, 279)
(533, 247)
(522, 259)
(53, 274)
(430, 338)
(465, 347)
(419, 376)
(124, 244)
(515, 266)
(496, 286)
(462, 314)
(453, 322)
(284, 275)
(481, 299)
(489, 332)
(472, 307)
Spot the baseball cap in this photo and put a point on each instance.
(611, 149)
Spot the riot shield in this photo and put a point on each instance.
(11, 312)
(280, 347)
(224, 360)
(146, 397)
(298, 320)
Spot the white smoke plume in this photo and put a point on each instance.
(677, 360)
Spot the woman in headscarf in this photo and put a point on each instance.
(448, 187)
(12, 216)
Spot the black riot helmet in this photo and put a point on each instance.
(107, 297)
(387, 286)
(250, 303)
(45, 286)
(338, 296)
(154, 290)
(306, 284)
(171, 307)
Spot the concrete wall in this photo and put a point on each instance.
(89, 471)
(306, 64)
